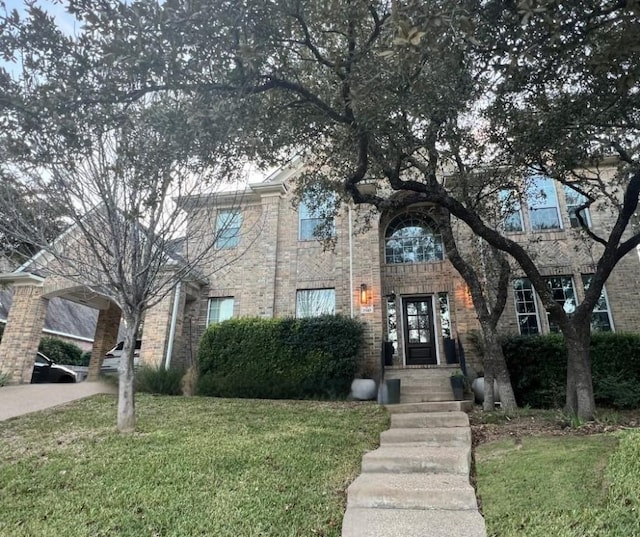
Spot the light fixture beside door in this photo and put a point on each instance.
(363, 293)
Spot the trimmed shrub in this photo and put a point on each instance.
(62, 352)
(157, 380)
(279, 358)
(538, 369)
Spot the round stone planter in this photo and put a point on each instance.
(478, 390)
(363, 389)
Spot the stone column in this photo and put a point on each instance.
(22, 334)
(106, 336)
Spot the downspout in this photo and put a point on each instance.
(174, 319)
(351, 262)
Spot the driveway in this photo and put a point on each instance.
(27, 398)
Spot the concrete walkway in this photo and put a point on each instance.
(416, 484)
(27, 398)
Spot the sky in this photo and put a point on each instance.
(55, 8)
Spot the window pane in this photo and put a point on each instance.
(543, 204)
(220, 309)
(409, 239)
(526, 310)
(315, 302)
(445, 314)
(392, 323)
(563, 293)
(574, 200)
(316, 219)
(228, 225)
(544, 219)
(510, 211)
(601, 316)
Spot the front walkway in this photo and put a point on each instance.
(26, 398)
(416, 484)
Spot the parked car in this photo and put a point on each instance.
(112, 358)
(46, 370)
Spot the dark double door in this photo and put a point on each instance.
(418, 331)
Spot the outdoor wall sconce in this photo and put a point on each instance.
(363, 293)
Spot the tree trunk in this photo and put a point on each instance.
(126, 377)
(495, 367)
(580, 400)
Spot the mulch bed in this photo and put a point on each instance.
(542, 424)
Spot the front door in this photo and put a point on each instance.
(418, 331)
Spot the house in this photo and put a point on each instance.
(389, 271)
(393, 274)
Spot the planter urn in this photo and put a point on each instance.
(363, 389)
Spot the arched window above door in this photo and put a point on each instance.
(410, 239)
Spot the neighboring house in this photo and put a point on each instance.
(392, 274)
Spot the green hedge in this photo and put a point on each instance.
(62, 352)
(158, 380)
(279, 358)
(538, 368)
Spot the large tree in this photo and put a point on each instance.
(399, 93)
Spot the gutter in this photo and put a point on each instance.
(174, 319)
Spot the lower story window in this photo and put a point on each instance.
(526, 309)
(564, 294)
(601, 316)
(220, 309)
(315, 302)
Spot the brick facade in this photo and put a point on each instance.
(273, 264)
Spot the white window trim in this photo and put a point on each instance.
(557, 207)
(518, 211)
(221, 243)
(298, 291)
(535, 306)
(606, 297)
(586, 212)
(219, 298)
(322, 219)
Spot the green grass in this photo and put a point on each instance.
(196, 466)
(570, 486)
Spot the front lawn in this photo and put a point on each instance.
(564, 486)
(196, 466)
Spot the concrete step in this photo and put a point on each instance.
(425, 397)
(434, 406)
(419, 459)
(359, 522)
(419, 389)
(431, 436)
(412, 491)
(439, 371)
(428, 419)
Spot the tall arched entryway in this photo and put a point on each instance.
(423, 296)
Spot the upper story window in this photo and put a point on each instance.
(228, 225)
(316, 219)
(543, 204)
(510, 211)
(220, 309)
(574, 200)
(410, 239)
(315, 302)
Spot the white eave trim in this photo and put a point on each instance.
(21, 278)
